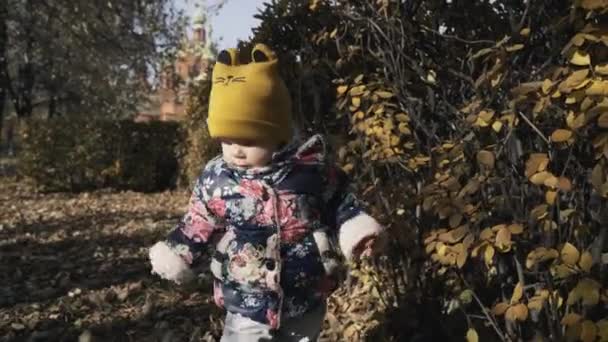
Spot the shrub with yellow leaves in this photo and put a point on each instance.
(481, 142)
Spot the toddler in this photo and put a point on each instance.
(280, 209)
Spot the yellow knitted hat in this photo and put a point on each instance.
(249, 101)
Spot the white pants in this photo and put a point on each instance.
(305, 328)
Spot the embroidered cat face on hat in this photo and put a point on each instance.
(249, 101)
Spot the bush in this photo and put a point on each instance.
(197, 147)
(74, 155)
(481, 141)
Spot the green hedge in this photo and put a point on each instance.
(74, 155)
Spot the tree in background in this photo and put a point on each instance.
(69, 57)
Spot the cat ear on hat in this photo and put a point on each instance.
(262, 53)
(228, 57)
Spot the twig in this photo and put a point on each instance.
(520, 271)
(534, 127)
(456, 38)
(488, 316)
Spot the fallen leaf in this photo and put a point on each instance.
(569, 254)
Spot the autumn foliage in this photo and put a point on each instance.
(481, 141)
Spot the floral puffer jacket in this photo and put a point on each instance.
(279, 228)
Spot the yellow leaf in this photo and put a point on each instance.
(571, 319)
(500, 308)
(518, 292)
(547, 84)
(586, 261)
(536, 303)
(333, 33)
(454, 235)
(497, 126)
(384, 94)
(359, 78)
(597, 88)
(517, 312)
(486, 234)
(573, 80)
(516, 228)
(578, 39)
(534, 163)
(431, 77)
(461, 258)
(515, 47)
(357, 91)
(430, 247)
(521, 312)
(486, 158)
(551, 182)
(402, 117)
(489, 255)
(540, 254)
(562, 271)
(342, 89)
(586, 104)
(556, 94)
(525, 31)
(575, 295)
(588, 331)
(539, 212)
(481, 123)
(503, 239)
(498, 227)
(561, 135)
(602, 69)
(472, 335)
(580, 58)
(486, 115)
(356, 101)
(569, 254)
(404, 129)
(589, 291)
(539, 178)
(550, 197)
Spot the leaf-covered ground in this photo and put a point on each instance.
(74, 266)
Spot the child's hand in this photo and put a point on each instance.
(371, 246)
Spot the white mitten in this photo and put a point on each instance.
(168, 265)
(353, 231)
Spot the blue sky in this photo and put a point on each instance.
(233, 22)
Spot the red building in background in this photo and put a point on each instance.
(167, 102)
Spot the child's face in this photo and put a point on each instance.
(244, 153)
